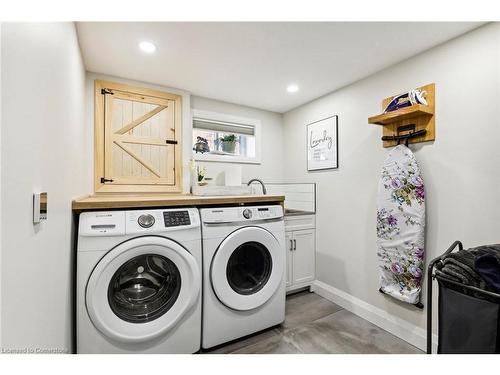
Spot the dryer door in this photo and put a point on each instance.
(142, 288)
(247, 268)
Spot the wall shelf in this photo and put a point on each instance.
(401, 114)
(422, 116)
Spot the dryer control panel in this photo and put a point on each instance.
(241, 214)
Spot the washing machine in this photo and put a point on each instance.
(138, 285)
(243, 271)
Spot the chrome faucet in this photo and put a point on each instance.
(264, 191)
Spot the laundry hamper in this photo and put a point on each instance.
(468, 317)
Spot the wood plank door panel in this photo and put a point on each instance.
(141, 141)
(137, 140)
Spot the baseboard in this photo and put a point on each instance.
(401, 328)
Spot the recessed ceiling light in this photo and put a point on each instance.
(147, 47)
(293, 88)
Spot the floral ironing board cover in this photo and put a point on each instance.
(401, 226)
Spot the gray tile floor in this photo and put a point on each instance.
(316, 325)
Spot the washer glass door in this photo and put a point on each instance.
(142, 288)
(247, 268)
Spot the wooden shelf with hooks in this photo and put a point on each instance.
(423, 116)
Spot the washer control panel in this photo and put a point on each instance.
(152, 221)
(176, 218)
(119, 223)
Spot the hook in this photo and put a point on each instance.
(406, 137)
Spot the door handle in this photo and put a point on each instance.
(294, 244)
(291, 245)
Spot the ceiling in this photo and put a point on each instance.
(253, 63)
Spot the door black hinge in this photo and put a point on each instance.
(171, 142)
(104, 180)
(106, 91)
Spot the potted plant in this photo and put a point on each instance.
(198, 174)
(228, 143)
(201, 172)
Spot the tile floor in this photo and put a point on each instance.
(316, 325)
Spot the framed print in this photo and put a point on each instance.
(322, 144)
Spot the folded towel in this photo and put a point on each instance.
(464, 257)
(469, 275)
(459, 271)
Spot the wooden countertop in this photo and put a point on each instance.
(109, 201)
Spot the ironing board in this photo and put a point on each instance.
(400, 226)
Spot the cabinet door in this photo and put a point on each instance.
(289, 258)
(303, 256)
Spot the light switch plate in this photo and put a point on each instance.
(39, 207)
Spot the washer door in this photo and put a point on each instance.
(247, 268)
(142, 288)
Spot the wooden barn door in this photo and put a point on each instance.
(141, 142)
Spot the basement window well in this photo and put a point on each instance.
(225, 138)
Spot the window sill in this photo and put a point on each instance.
(225, 159)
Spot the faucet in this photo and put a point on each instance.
(264, 191)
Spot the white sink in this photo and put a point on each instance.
(214, 190)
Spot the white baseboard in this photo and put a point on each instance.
(397, 326)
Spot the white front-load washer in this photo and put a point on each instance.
(243, 271)
(139, 281)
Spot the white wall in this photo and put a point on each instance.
(461, 168)
(1, 27)
(271, 167)
(186, 116)
(44, 147)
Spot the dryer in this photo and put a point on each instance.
(243, 271)
(138, 283)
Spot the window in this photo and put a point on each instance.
(220, 137)
(137, 138)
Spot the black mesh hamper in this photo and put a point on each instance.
(468, 317)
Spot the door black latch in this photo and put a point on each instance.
(104, 180)
(106, 91)
(171, 142)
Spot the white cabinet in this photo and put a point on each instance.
(303, 257)
(300, 254)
